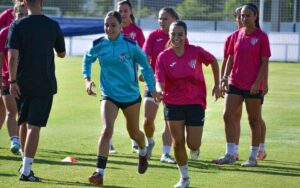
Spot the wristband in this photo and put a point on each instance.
(224, 78)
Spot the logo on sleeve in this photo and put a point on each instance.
(254, 41)
(192, 63)
(173, 64)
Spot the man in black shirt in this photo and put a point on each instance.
(32, 75)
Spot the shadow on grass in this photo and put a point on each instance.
(7, 175)
(263, 168)
(73, 184)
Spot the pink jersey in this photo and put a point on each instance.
(134, 33)
(226, 46)
(247, 51)
(3, 38)
(6, 17)
(155, 43)
(183, 76)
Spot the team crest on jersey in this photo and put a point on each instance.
(192, 63)
(122, 57)
(132, 35)
(254, 41)
(159, 39)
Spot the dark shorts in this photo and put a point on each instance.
(147, 94)
(192, 114)
(262, 100)
(5, 90)
(244, 93)
(34, 110)
(122, 105)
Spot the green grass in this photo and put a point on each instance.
(74, 127)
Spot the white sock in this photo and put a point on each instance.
(184, 173)
(100, 171)
(14, 139)
(27, 163)
(110, 142)
(166, 149)
(133, 143)
(253, 152)
(150, 140)
(262, 147)
(236, 149)
(143, 152)
(230, 148)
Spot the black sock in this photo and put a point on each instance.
(101, 162)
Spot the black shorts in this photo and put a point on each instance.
(122, 105)
(192, 114)
(262, 100)
(244, 93)
(5, 90)
(147, 94)
(34, 110)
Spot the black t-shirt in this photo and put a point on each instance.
(35, 37)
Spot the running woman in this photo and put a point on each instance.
(119, 86)
(131, 31)
(156, 43)
(180, 80)
(19, 11)
(247, 67)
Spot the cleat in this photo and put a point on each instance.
(183, 182)
(149, 150)
(143, 164)
(30, 177)
(194, 154)
(227, 159)
(251, 162)
(112, 149)
(96, 179)
(261, 155)
(166, 158)
(15, 148)
(135, 149)
(236, 157)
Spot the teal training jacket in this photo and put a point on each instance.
(119, 61)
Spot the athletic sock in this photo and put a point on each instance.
(14, 139)
(236, 149)
(230, 148)
(110, 143)
(143, 152)
(101, 164)
(166, 149)
(184, 173)
(150, 140)
(133, 143)
(262, 147)
(253, 152)
(27, 164)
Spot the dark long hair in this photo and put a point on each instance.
(170, 11)
(254, 9)
(177, 23)
(127, 2)
(115, 14)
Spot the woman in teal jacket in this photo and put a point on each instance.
(118, 59)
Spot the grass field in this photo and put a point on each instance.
(74, 126)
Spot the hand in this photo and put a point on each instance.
(157, 96)
(141, 78)
(89, 87)
(216, 92)
(254, 89)
(15, 90)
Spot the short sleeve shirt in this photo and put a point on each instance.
(183, 76)
(134, 33)
(3, 50)
(247, 51)
(36, 37)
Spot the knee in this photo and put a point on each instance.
(178, 143)
(11, 113)
(193, 145)
(253, 121)
(107, 133)
(227, 117)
